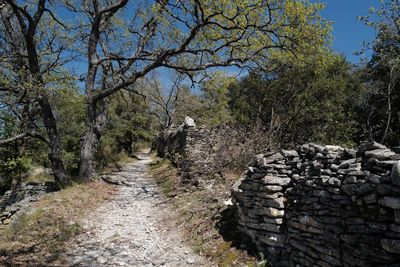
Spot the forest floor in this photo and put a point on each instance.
(135, 228)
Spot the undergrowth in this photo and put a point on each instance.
(200, 213)
(38, 237)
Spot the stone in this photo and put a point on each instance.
(391, 245)
(395, 175)
(391, 202)
(346, 163)
(386, 163)
(380, 154)
(334, 181)
(370, 146)
(350, 180)
(276, 180)
(373, 178)
(290, 153)
(365, 188)
(318, 148)
(272, 212)
(371, 198)
(189, 122)
(333, 148)
(349, 189)
(273, 188)
(272, 239)
(386, 189)
(350, 153)
(273, 158)
(101, 260)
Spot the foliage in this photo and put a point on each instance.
(215, 99)
(11, 163)
(300, 104)
(380, 109)
(128, 125)
(69, 111)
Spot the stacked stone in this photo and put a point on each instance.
(18, 200)
(198, 151)
(260, 200)
(324, 205)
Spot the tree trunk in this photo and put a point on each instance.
(57, 165)
(89, 144)
(95, 124)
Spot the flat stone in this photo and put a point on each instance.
(391, 245)
(334, 181)
(290, 153)
(349, 189)
(346, 163)
(350, 180)
(385, 189)
(391, 202)
(380, 154)
(370, 146)
(333, 148)
(273, 188)
(272, 239)
(273, 158)
(373, 178)
(365, 188)
(319, 148)
(276, 180)
(395, 175)
(271, 212)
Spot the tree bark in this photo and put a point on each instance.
(95, 124)
(89, 143)
(57, 165)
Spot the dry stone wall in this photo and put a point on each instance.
(323, 206)
(194, 149)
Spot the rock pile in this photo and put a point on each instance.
(323, 205)
(20, 199)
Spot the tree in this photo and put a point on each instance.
(186, 36)
(301, 103)
(29, 54)
(215, 110)
(381, 108)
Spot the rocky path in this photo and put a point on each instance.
(133, 229)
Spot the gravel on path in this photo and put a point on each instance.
(134, 228)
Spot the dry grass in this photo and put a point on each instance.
(200, 212)
(38, 175)
(37, 238)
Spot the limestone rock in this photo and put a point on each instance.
(380, 154)
(189, 122)
(276, 180)
(391, 245)
(290, 153)
(391, 202)
(395, 175)
(370, 146)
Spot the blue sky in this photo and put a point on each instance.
(348, 32)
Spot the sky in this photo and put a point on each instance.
(348, 32)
